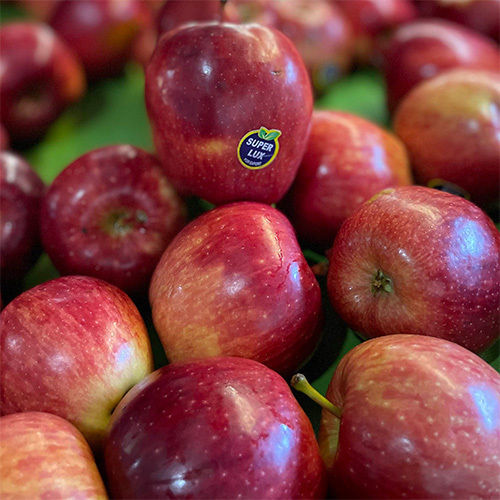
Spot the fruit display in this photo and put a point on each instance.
(206, 203)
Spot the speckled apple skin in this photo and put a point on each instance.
(44, 456)
(420, 419)
(234, 282)
(450, 125)
(35, 63)
(72, 346)
(21, 191)
(75, 211)
(209, 84)
(347, 161)
(215, 428)
(424, 48)
(441, 253)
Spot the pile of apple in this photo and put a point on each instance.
(411, 412)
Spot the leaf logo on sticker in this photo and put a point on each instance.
(258, 148)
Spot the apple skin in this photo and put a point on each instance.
(234, 282)
(214, 428)
(44, 456)
(41, 77)
(419, 419)
(479, 15)
(101, 32)
(424, 48)
(207, 86)
(4, 138)
(347, 161)
(21, 192)
(111, 214)
(72, 346)
(451, 129)
(441, 255)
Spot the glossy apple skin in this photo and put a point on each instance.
(479, 15)
(21, 192)
(41, 77)
(44, 456)
(419, 420)
(207, 86)
(441, 253)
(111, 214)
(347, 161)
(72, 346)
(424, 48)
(214, 428)
(101, 32)
(451, 129)
(234, 282)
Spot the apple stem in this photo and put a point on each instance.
(300, 383)
(381, 283)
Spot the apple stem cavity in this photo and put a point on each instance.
(300, 383)
(381, 283)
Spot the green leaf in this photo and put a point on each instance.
(263, 132)
(273, 134)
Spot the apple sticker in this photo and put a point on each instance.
(258, 148)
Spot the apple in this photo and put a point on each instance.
(40, 77)
(451, 129)
(101, 32)
(424, 48)
(44, 456)
(347, 161)
(318, 30)
(21, 192)
(419, 261)
(39, 9)
(214, 428)
(72, 346)
(110, 214)
(4, 138)
(372, 18)
(415, 417)
(230, 107)
(479, 15)
(234, 282)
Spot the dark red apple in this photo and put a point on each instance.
(418, 260)
(40, 76)
(101, 32)
(217, 428)
(4, 138)
(479, 15)
(419, 418)
(371, 18)
(111, 214)
(21, 191)
(44, 456)
(424, 48)
(318, 30)
(230, 107)
(347, 160)
(451, 127)
(73, 347)
(234, 282)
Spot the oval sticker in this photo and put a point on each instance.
(258, 148)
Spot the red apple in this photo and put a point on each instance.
(44, 456)
(420, 418)
(230, 108)
(217, 428)
(111, 214)
(347, 160)
(73, 347)
(21, 191)
(371, 18)
(4, 138)
(417, 260)
(39, 9)
(479, 15)
(423, 49)
(40, 76)
(101, 32)
(234, 282)
(451, 127)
